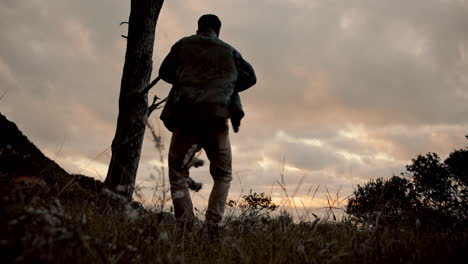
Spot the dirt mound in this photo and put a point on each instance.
(21, 162)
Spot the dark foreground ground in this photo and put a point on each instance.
(41, 228)
(50, 216)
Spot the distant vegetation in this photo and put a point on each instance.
(432, 193)
(254, 205)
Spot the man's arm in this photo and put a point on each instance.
(168, 68)
(246, 78)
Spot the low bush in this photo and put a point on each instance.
(430, 193)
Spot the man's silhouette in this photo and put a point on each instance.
(207, 75)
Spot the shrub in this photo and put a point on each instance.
(254, 204)
(430, 191)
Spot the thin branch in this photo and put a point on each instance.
(122, 23)
(151, 85)
(155, 105)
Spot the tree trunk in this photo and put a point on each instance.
(133, 101)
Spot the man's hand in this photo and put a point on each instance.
(235, 124)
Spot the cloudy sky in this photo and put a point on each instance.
(347, 90)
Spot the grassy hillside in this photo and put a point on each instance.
(39, 227)
(49, 216)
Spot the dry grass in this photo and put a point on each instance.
(98, 229)
(60, 222)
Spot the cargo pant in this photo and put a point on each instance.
(185, 143)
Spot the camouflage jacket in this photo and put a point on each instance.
(207, 74)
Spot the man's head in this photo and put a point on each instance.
(209, 22)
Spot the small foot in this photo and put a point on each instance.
(195, 186)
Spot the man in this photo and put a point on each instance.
(206, 74)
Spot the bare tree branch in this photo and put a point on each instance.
(155, 105)
(151, 85)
